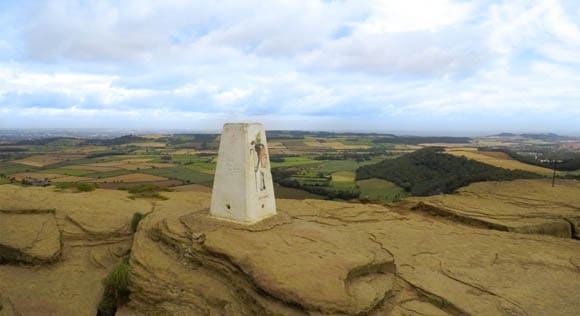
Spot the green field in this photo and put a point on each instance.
(70, 172)
(380, 190)
(107, 174)
(4, 180)
(295, 161)
(7, 168)
(181, 173)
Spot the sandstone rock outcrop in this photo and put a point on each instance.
(314, 258)
(322, 258)
(72, 241)
(521, 206)
(29, 237)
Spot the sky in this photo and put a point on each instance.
(423, 67)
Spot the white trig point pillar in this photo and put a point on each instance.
(242, 188)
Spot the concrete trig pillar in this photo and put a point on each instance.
(243, 190)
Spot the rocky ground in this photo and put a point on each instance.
(523, 206)
(314, 258)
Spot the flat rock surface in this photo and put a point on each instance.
(29, 238)
(314, 258)
(322, 257)
(100, 214)
(72, 240)
(523, 206)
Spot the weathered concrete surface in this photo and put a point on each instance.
(243, 190)
(95, 230)
(522, 206)
(320, 257)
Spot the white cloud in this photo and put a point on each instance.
(305, 59)
(392, 16)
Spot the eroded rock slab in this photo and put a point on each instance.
(322, 258)
(314, 258)
(97, 215)
(95, 230)
(522, 206)
(29, 238)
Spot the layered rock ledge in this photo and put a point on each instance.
(314, 258)
(521, 206)
(331, 258)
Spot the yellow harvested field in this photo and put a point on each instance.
(450, 145)
(498, 160)
(36, 175)
(148, 144)
(134, 177)
(276, 145)
(343, 176)
(334, 145)
(407, 148)
(84, 149)
(191, 188)
(184, 151)
(132, 164)
(44, 160)
(91, 167)
(154, 136)
(72, 179)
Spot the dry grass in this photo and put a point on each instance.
(148, 144)
(153, 136)
(72, 179)
(35, 175)
(334, 145)
(134, 177)
(45, 160)
(184, 151)
(276, 145)
(84, 149)
(343, 176)
(497, 159)
(132, 164)
(192, 188)
(447, 145)
(92, 167)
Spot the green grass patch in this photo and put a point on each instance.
(69, 172)
(137, 217)
(181, 173)
(380, 190)
(113, 173)
(295, 161)
(146, 191)
(116, 291)
(7, 168)
(4, 180)
(429, 171)
(331, 166)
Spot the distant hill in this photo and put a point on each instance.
(429, 171)
(550, 137)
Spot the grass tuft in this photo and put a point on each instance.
(116, 291)
(137, 217)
